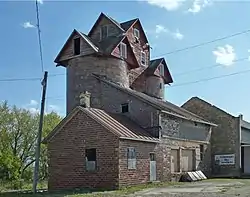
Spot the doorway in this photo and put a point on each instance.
(152, 167)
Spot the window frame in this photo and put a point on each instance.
(131, 158)
(142, 52)
(101, 32)
(89, 163)
(122, 44)
(161, 69)
(201, 152)
(122, 107)
(74, 45)
(135, 30)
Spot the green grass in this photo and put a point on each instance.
(84, 193)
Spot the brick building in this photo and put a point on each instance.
(230, 140)
(118, 130)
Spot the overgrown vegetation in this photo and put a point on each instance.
(18, 135)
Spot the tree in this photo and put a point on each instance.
(18, 135)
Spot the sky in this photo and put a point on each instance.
(169, 24)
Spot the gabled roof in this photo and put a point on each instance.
(85, 37)
(164, 106)
(154, 65)
(127, 24)
(107, 17)
(118, 124)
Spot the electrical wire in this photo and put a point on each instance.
(203, 43)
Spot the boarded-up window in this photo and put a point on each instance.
(175, 162)
(90, 155)
(131, 158)
(77, 46)
(104, 32)
(187, 158)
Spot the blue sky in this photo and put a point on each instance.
(170, 25)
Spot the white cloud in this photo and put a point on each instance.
(28, 25)
(53, 108)
(169, 5)
(33, 103)
(160, 29)
(40, 1)
(225, 55)
(33, 110)
(198, 5)
(177, 35)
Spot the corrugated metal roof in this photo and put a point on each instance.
(119, 124)
(160, 104)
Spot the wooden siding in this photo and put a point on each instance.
(138, 47)
(68, 51)
(112, 29)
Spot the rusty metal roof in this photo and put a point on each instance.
(118, 124)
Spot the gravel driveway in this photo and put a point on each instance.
(208, 188)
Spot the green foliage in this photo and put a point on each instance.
(18, 135)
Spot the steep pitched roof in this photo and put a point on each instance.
(119, 125)
(107, 17)
(164, 106)
(154, 65)
(127, 24)
(85, 37)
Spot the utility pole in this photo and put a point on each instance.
(39, 136)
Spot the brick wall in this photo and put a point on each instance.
(224, 138)
(142, 172)
(67, 156)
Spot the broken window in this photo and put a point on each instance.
(123, 50)
(131, 158)
(143, 58)
(77, 46)
(125, 108)
(136, 33)
(90, 155)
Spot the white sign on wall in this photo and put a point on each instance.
(228, 159)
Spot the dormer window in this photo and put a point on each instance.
(143, 58)
(161, 69)
(77, 46)
(104, 32)
(136, 33)
(123, 50)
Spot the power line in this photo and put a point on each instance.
(20, 79)
(39, 36)
(204, 68)
(212, 78)
(204, 43)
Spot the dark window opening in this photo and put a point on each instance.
(152, 156)
(160, 85)
(201, 152)
(77, 42)
(125, 108)
(90, 155)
